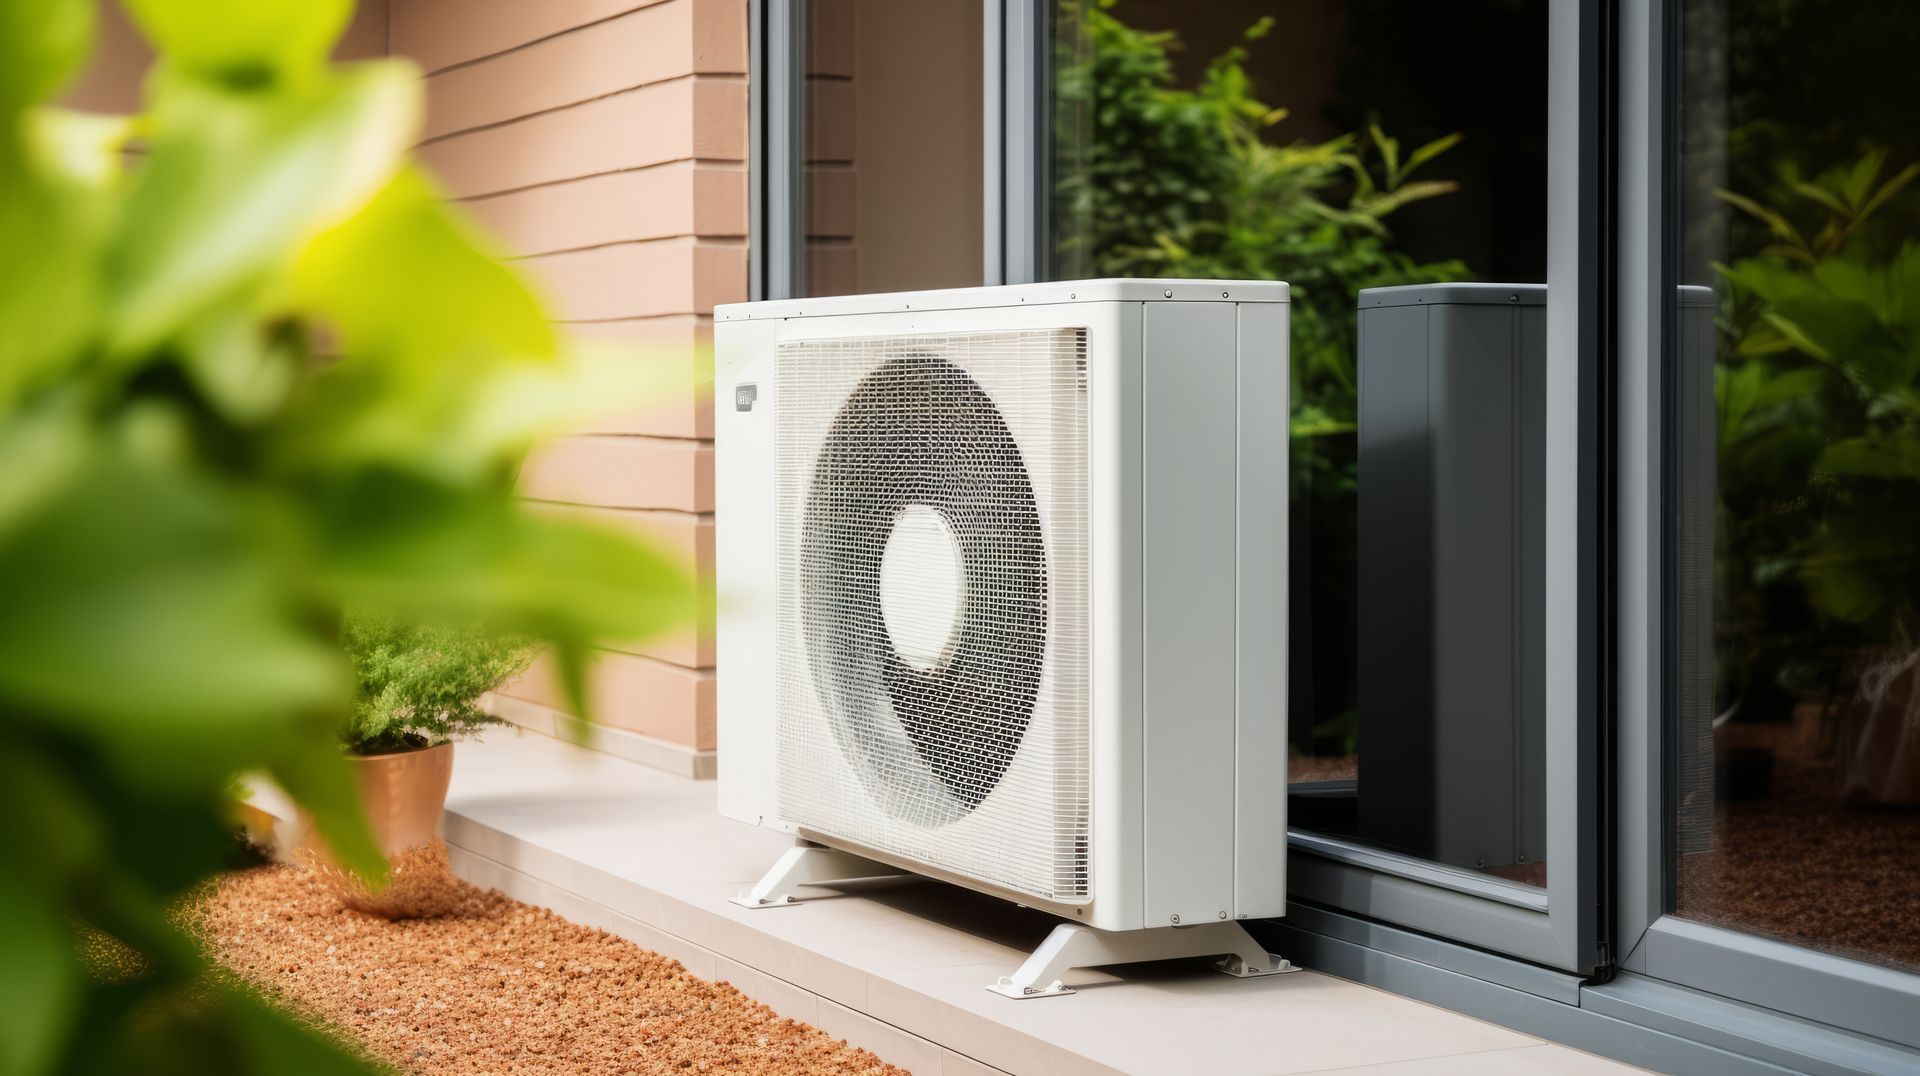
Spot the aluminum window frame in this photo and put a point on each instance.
(1797, 981)
(776, 175)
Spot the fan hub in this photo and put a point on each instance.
(922, 587)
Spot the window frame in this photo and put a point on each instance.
(1791, 979)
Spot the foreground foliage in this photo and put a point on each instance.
(251, 373)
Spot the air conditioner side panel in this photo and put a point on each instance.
(745, 561)
(1188, 370)
(1260, 734)
(1116, 869)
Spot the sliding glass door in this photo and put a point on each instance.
(1778, 737)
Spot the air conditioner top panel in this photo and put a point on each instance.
(1005, 295)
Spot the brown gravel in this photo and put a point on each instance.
(497, 986)
(1323, 768)
(1803, 867)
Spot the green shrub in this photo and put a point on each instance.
(419, 684)
(1818, 395)
(251, 376)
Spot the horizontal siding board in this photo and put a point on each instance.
(682, 338)
(638, 694)
(638, 280)
(668, 201)
(720, 36)
(670, 121)
(653, 44)
(622, 472)
(441, 33)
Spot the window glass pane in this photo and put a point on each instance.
(1794, 387)
(893, 157)
(1343, 147)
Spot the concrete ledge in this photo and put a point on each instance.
(901, 966)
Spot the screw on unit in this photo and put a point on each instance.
(1174, 918)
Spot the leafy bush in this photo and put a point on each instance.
(1818, 397)
(250, 376)
(419, 683)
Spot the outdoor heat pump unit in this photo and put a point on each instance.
(1003, 602)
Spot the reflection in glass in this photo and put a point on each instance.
(893, 145)
(1796, 711)
(1343, 146)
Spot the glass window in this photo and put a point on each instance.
(893, 159)
(1348, 147)
(1794, 390)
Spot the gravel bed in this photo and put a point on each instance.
(497, 986)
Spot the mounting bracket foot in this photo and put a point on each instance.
(1071, 946)
(809, 864)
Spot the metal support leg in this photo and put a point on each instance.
(809, 864)
(1071, 946)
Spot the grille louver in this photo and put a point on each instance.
(963, 746)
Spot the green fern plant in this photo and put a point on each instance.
(420, 684)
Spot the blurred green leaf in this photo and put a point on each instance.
(187, 617)
(42, 45)
(230, 183)
(462, 302)
(255, 374)
(243, 44)
(82, 146)
(40, 991)
(49, 303)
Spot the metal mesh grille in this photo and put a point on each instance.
(973, 759)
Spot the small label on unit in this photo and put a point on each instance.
(744, 394)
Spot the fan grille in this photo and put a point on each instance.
(974, 761)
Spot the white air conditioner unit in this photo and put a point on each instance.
(1003, 601)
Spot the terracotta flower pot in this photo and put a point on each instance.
(403, 793)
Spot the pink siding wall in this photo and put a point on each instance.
(604, 141)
